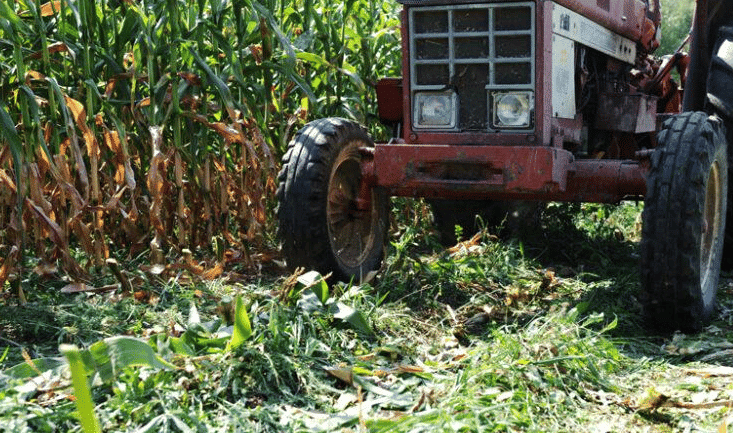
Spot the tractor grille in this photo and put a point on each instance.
(472, 50)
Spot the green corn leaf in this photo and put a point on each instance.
(314, 281)
(7, 13)
(25, 371)
(242, 326)
(219, 84)
(112, 355)
(11, 135)
(82, 392)
(313, 58)
(33, 105)
(352, 317)
(349, 71)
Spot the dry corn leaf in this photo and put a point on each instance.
(228, 133)
(112, 83)
(34, 75)
(465, 246)
(50, 8)
(76, 288)
(113, 202)
(44, 164)
(57, 235)
(212, 273)
(409, 369)
(193, 267)
(721, 371)
(7, 265)
(182, 211)
(54, 48)
(83, 234)
(219, 165)
(36, 190)
(141, 295)
(80, 114)
(191, 78)
(4, 154)
(45, 269)
(343, 374)
(548, 280)
(5, 179)
(65, 181)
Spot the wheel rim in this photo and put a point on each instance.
(711, 224)
(350, 229)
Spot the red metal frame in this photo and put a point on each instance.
(499, 173)
(502, 166)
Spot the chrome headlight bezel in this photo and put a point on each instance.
(512, 109)
(435, 110)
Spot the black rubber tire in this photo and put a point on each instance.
(720, 97)
(720, 75)
(684, 223)
(319, 225)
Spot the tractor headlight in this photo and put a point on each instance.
(436, 110)
(513, 109)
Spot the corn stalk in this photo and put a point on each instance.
(157, 125)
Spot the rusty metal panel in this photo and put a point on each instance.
(625, 17)
(627, 113)
(412, 169)
(585, 31)
(501, 173)
(389, 99)
(563, 77)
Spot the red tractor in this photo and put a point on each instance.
(541, 101)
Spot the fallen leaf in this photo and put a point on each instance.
(344, 401)
(409, 369)
(711, 372)
(81, 287)
(343, 374)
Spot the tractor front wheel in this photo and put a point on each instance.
(684, 223)
(323, 223)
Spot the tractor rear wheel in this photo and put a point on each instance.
(720, 96)
(320, 223)
(684, 223)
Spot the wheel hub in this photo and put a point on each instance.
(350, 216)
(711, 222)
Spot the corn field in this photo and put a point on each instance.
(156, 126)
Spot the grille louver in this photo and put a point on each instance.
(472, 49)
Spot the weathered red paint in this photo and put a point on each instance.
(627, 18)
(525, 166)
(500, 172)
(389, 99)
(635, 113)
(543, 95)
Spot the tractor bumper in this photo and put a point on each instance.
(500, 173)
